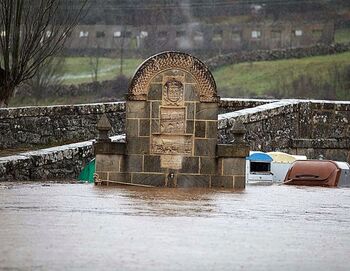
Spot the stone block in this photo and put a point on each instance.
(108, 162)
(191, 93)
(138, 145)
(109, 148)
(144, 127)
(211, 129)
(155, 92)
(206, 111)
(152, 164)
(190, 165)
(155, 128)
(132, 127)
(199, 129)
(137, 109)
(232, 150)
(189, 126)
(221, 181)
(190, 111)
(239, 182)
(205, 147)
(229, 182)
(233, 166)
(132, 163)
(208, 165)
(152, 179)
(155, 110)
(188, 181)
(119, 177)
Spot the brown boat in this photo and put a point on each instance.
(313, 173)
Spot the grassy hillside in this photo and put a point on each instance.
(79, 70)
(313, 77)
(342, 35)
(322, 77)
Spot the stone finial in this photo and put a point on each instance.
(103, 127)
(238, 131)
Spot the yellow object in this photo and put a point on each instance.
(281, 157)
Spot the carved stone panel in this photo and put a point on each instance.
(152, 67)
(171, 161)
(171, 144)
(173, 90)
(172, 120)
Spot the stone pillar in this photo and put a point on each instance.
(109, 156)
(103, 127)
(231, 160)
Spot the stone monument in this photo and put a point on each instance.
(171, 131)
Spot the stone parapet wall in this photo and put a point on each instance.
(305, 127)
(62, 124)
(63, 162)
(302, 127)
(269, 126)
(54, 125)
(227, 105)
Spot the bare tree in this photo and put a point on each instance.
(30, 33)
(49, 77)
(94, 63)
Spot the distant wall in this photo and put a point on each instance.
(302, 127)
(269, 55)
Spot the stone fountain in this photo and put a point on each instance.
(171, 131)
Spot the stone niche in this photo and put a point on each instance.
(171, 131)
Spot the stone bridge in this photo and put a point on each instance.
(305, 127)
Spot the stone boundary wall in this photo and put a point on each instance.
(108, 89)
(227, 105)
(62, 124)
(63, 162)
(278, 54)
(55, 125)
(305, 127)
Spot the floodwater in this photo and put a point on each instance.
(83, 227)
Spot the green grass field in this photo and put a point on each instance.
(278, 78)
(78, 69)
(342, 35)
(258, 78)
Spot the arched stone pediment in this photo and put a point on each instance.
(156, 64)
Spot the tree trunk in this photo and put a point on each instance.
(3, 103)
(6, 94)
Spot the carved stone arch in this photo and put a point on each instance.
(173, 60)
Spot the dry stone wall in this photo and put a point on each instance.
(310, 128)
(57, 163)
(56, 125)
(269, 55)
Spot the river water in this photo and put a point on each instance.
(83, 227)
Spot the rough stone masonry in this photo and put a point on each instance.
(171, 131)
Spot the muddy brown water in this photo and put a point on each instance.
(83, 227)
